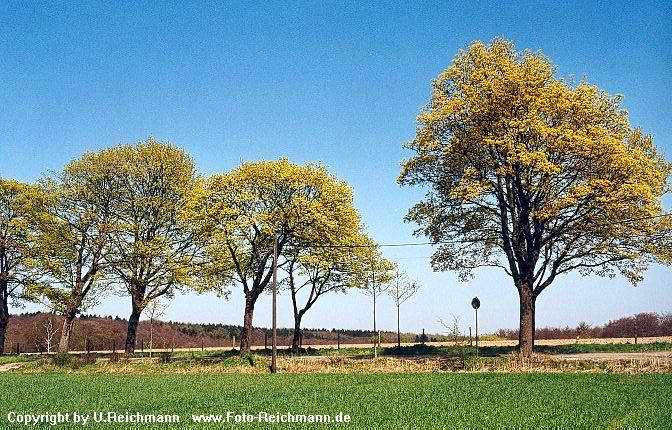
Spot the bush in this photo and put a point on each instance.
(250, 359)
(165, 357)
(63, 359)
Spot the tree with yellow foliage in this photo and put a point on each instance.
(237, 216)
(151, 250)
(20, 207)
(74, 238)
(532, 174)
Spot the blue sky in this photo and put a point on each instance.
(339, 83)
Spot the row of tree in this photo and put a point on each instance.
(138, 218)
(523, 170)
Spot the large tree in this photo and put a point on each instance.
(531, 173)
(20, 207)
(73, 239)
(238, 215)
(151, 249)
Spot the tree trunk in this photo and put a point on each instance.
(4, 314)
(296, 340)
(375, 334)
(132, 331)
(526, 329)
(246, 332)
(68, 321)
(398, 329)
(4, 322)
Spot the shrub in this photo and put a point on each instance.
(63, 359)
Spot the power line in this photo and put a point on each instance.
(408, 244)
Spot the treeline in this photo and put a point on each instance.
(647, 324)
(40, 332)
(140, 221)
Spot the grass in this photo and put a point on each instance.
(372, 400)
(7, 359)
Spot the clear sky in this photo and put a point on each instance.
(335, 82)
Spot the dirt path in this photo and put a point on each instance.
(10, 366)
(662, 356)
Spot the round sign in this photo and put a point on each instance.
(475, 303)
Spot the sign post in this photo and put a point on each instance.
(475, 303)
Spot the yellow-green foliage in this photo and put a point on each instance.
(526, 165)
(235, 215)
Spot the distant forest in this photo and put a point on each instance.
(38, 331)
(647, 324)
(33, 332)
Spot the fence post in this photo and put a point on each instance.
(114, 346)
(470, 341)
(18, 349)
(87, 346)
(635, 330)
(265, 339)
(338, 339)
(142, 345)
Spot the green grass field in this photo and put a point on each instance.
(372, 400)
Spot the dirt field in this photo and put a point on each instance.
(663, 357)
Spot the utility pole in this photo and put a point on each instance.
(373, 286)
(274, 353)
